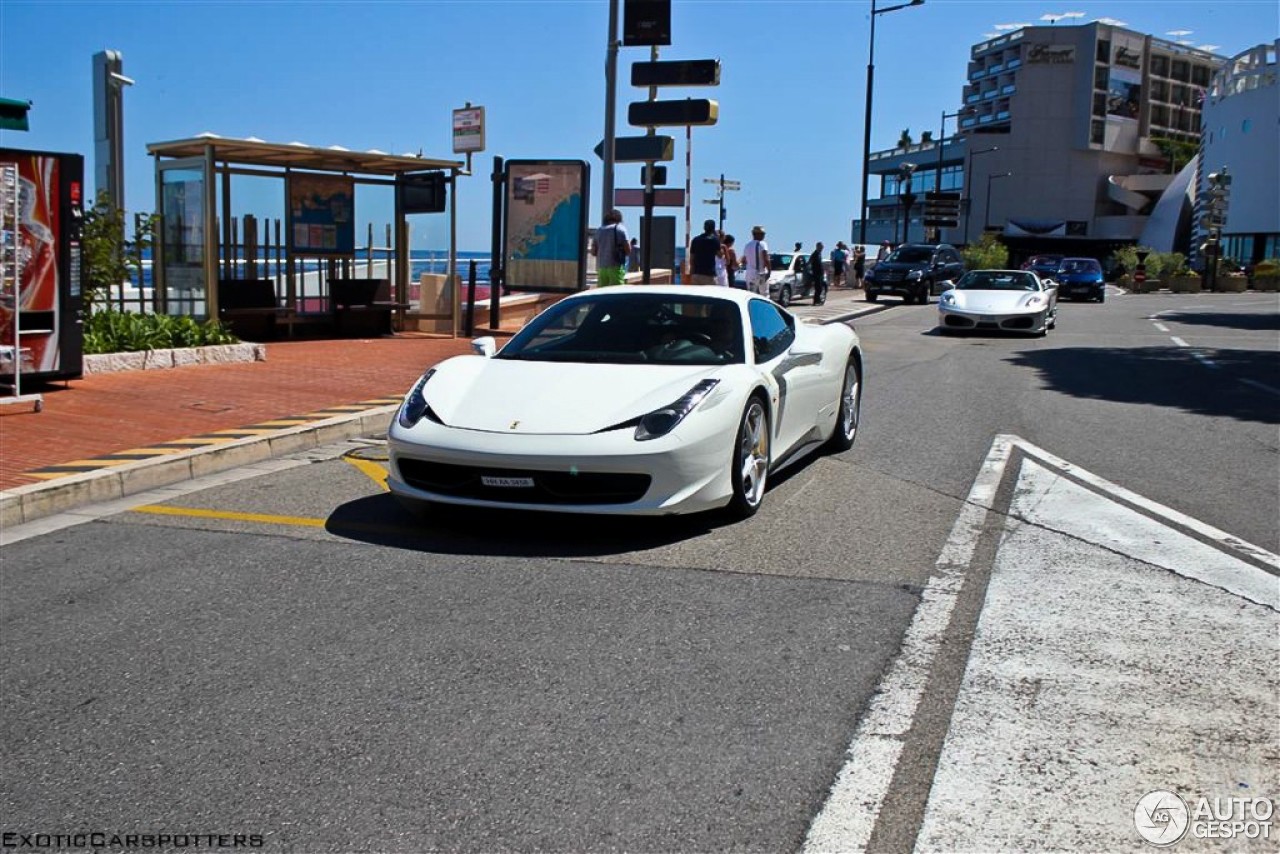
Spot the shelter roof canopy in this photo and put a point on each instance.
(297, 155)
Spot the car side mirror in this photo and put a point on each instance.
(485, 346)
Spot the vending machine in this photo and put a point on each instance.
(41, 219)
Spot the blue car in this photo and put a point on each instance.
(1080, 278)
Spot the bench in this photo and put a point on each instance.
(362, 308)
(250, 308)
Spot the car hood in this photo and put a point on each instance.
(994, 302)
(1078, 278)
(887, 266)
(512, 396)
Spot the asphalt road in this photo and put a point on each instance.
(292, 655)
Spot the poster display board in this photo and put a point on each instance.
(321, 214)
(545, 226)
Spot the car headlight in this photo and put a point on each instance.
(415, 404)
(947, 299)
(662, 421)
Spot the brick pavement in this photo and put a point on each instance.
(106, 413)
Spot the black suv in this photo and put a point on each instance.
(914, 271)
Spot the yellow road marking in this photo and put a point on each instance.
(230, 516)
(375, 472)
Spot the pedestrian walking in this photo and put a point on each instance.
(730, 260)
(818, 275)
(635, 255)
(755, 260)
(838, 258)
(611, 249)
(859, 265)
(703, 252)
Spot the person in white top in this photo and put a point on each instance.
(755, 260)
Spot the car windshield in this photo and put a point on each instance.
(633, 328)
(997, 280)
(912, 254)
(1046, 262)
(779, 261)
(1080, 265)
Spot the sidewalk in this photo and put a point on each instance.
(110, 435)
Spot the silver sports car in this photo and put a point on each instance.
(1012, 300)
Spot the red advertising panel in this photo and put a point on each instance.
(40, 290)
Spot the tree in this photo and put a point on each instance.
(904, 141)
(987, 254)
(109, 259)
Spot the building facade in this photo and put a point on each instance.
(1071, 136)
(1242, 134)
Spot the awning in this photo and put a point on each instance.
(13, 114)
(299, 155)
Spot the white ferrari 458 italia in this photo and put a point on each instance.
(630, 400)
(1010, 300)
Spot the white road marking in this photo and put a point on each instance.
(1263, 386)
(848, 817)
(1162, 327)
(847, 820)
(1179, 341)
(1096, 677)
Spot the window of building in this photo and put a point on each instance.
(1159, 90)
(1180, 69)
(1097, 132)
(1160, 65)
(1099, 103)
(1200, 75)
(1159, 115)
(1104, 50)
(1101, 77)
(1179, 94)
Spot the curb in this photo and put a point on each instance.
(146, 360)
(34, 501)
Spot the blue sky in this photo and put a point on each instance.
(386, 75)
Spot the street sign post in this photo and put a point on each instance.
(640, 149)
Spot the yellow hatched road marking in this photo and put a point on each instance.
(265, 518)
(375, 472)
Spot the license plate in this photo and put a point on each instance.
(506, 482)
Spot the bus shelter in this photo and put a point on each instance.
(209, 263)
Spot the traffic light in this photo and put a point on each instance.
(683, 72)
(691, 111)
(942, 210)
(646, 22)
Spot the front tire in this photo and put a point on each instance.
(872, 296)
(749, 471)
(850, 409)
(784, 295)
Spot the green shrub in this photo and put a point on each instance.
(987, 254)
(124, 332)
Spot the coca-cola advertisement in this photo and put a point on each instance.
(40, 213)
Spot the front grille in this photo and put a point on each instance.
(549, 487)
(955, 320)
(1017, 323)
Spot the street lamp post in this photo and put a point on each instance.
(986, 213)
(942, 137)
(866, 125)
(968, 182)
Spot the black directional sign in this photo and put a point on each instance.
(659, 175)
(681, 72)
(646, 22)
(640, 149)
(942, 210)
(690, 111)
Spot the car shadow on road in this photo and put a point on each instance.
(443, 529)
(1247, 322)
(1163, 376)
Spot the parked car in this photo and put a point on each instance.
(1080, 278)
(1043, 266)
(1012, 300)
(914, 271)
(789, 277)
(648, 400)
